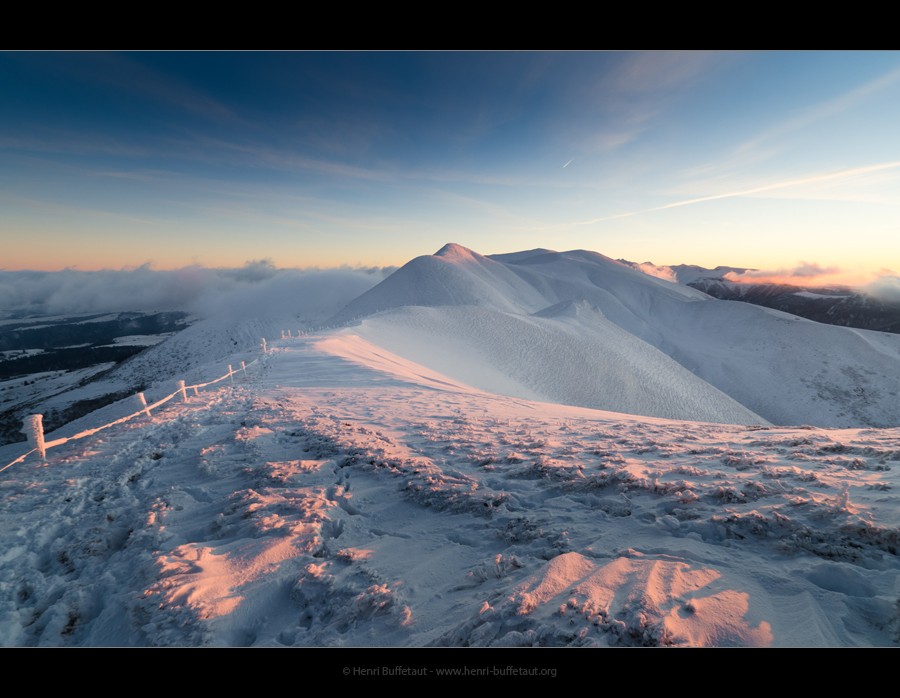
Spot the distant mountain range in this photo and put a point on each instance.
(835, 305)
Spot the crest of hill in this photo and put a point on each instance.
(520, 282)
(453, 276)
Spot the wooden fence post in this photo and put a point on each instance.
(33, 427)
(182, 391)
(230, 374)
(143, 403)
(263, 345)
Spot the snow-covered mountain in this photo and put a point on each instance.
(582, 329)
(835, 305)
(411, 478)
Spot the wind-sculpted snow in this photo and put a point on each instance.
(344, 495)
(580, 329)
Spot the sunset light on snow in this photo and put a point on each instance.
(753, 159)
(397, 351)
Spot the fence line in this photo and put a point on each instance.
(35, 433)
(19, 459)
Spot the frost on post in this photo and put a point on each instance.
(142, 401)
(33, 428)
(182, 391)
(263, 345)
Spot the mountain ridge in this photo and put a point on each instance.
(779, 367)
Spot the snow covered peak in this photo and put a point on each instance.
(453, 251)
(454, 276)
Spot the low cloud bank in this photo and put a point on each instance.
(665, 273)
(313, 293)
(885, 288)
(804, 274)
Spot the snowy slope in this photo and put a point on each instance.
(569, 353)
(414, 479)
(779, 367)
(344, 495)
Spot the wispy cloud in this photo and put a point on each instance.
(494, 210)
(662, 71)
(128, 74)
(786, 184)
(204, 148)
(72, 143)
(612, 217)
(780, 185)
(817, 112)
(42, 205)
(770, 142)
(641, 87)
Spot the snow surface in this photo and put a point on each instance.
(344, 495)
(569, 354)
(142, 340)
(46, 385)
(828, 296)
(415, 479)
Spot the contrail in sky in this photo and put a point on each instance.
(787, 183)
(784, 184)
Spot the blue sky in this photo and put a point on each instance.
(111, 160)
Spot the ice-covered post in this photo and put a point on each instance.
(230, 374)
(182, 391)
(142, 401)
(33, 428)
(243, 367)
(263, 345)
